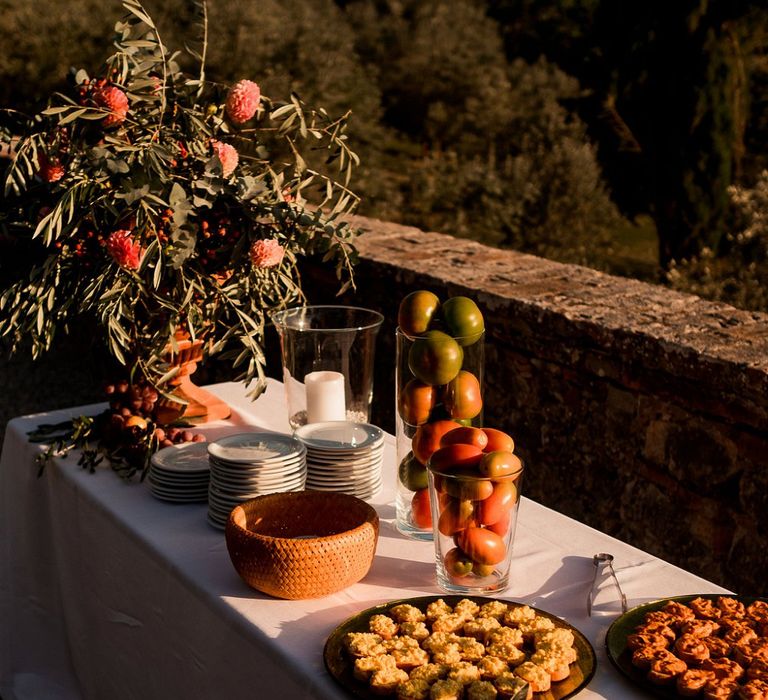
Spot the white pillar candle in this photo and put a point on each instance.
(325, 396)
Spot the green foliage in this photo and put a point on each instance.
(135, 216)
(738, 276)
(633, 110)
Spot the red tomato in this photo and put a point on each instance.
(462, 396)
(416, 402)
(465, 436)
(482, 545)
(457, 564)
(453, 457)
(454, 516)
(421, 511)
(500, 463)
(498, 441)
(500, 527)
(427, 437)
(465, 484)
(498, 504)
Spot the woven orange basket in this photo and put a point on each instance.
(302, 544)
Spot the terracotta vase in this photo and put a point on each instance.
(200, 405)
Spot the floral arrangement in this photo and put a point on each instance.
(160, 204)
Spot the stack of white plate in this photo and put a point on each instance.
(343, 456)
(180, 473)
(252, 464)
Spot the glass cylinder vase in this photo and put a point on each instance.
(438, 386)
(328, 355)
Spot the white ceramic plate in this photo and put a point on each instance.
(251, 491)
(344, 467)
(246, 482)
(180, 498)
(230, 501)
(156, 477)
(188, 457)
(242, 469)
(258, 448)
(367, 457)
(339, 436)
(178, 488)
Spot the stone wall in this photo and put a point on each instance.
(640, 411)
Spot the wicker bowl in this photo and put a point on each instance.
(302, 544)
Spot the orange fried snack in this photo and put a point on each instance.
(720, 689)
(666, 670)
(758, 611)
(690, 683)
(731, 607)
(754, 690)
(691, 649)
(635, 641)
(717, 647)
(723, 668)
(705, 609)
(758, 670)
(645, 656)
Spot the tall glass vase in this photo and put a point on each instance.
(438, 386)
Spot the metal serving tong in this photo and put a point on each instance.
(604, 560)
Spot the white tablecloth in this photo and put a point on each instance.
(106, 592)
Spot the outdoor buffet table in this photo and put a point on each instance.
(106, 592)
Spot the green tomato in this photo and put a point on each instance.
(463, 320)
(457, 563)
(435, 358)
(412, 473)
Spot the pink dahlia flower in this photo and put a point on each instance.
(242, 101)
(266, 253)
(124, 250)
(50, 169)
(227, 155)
(114, 100)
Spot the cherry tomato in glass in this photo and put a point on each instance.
(497, 464)
(427, 438)
(498, 441)
(465, 436)
(416, 312)
(454, 516)
(462, 396)
(435, 358)
(465, 484)
(453, 457)
(482, 545)
(463, 319)
(499, 504)
(501, 527)
(416, 402)
(457, 564)
(421, 511)
(412, 474)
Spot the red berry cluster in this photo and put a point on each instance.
(130, 422)
(83, 244)
(218, 232)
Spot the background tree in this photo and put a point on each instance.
(667, 89)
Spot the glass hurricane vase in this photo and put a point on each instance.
(438, 386)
